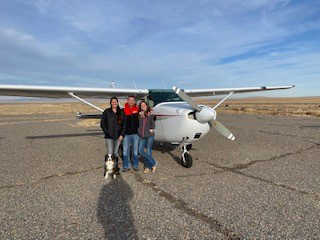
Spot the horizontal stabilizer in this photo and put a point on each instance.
(88, 116)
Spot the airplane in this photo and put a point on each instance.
(180, 120)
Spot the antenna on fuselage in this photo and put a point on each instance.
(164, 85)
(134, 83)
(112, 84)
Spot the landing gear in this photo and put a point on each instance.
(186, 158)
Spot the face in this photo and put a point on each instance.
(114, 103)
(131, 101)
(144, 106)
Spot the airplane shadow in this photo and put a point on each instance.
(66, 135)
(168, 148)
(114, 212)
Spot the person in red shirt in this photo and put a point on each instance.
(131, 138)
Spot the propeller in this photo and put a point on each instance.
(222, 129)
(205, 114)
(187, 99)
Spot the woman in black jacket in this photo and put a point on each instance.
(113, 123)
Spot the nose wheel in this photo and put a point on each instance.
(186, 158)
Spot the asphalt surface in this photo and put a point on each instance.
(264, 185)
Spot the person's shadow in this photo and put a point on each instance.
(113, 210)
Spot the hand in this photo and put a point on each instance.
(151, 112)
(152, 131)
(120, 138)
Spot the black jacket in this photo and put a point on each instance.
(110, 125)
(132, 124)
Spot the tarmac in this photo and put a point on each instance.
(263, 185)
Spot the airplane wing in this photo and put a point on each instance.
(64, 92)
(221, 91)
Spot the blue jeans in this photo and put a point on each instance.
(147, 156)
(127, 142)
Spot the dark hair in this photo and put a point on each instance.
(118, 109)
(131, 96)
(148, 107)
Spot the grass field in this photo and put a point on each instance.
(308, 106)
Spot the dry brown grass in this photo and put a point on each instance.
(274, 106)
(88, 123)
(46, 108)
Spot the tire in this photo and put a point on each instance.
(188, 160)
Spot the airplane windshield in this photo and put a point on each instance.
(163, 95)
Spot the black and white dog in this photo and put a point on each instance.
(110, 167)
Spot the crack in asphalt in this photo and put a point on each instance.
(269, 124)
(300, 191)
(183, 206)
(19, 184)
(310, 126)
(246, 165)
(237, 169)
(287, 135)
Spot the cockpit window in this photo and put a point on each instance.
(163, 95)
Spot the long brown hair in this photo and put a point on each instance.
(118, 112)
(148, 108)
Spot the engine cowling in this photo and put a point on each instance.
(206, 115)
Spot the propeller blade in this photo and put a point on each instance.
(222, 129)
(186, 98)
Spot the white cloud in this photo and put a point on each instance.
(179, 43)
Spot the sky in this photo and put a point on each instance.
(155, 44)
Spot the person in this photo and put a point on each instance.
(146, 134)
(131, 139)
(113, 126)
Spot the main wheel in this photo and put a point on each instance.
(187, 163)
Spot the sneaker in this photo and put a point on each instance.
(125, 169)
(146, 170)
(136, 169)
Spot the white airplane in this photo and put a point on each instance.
(180, 120)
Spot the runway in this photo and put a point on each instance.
(263, 185)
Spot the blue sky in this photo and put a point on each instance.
(191, 44)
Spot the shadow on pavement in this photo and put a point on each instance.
(167, 148)
(65, 135)
(114, 212)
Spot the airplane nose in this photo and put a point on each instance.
(205, 115)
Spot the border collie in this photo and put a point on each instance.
(109, 167)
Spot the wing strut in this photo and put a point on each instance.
(85, 102)
(218, 104)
